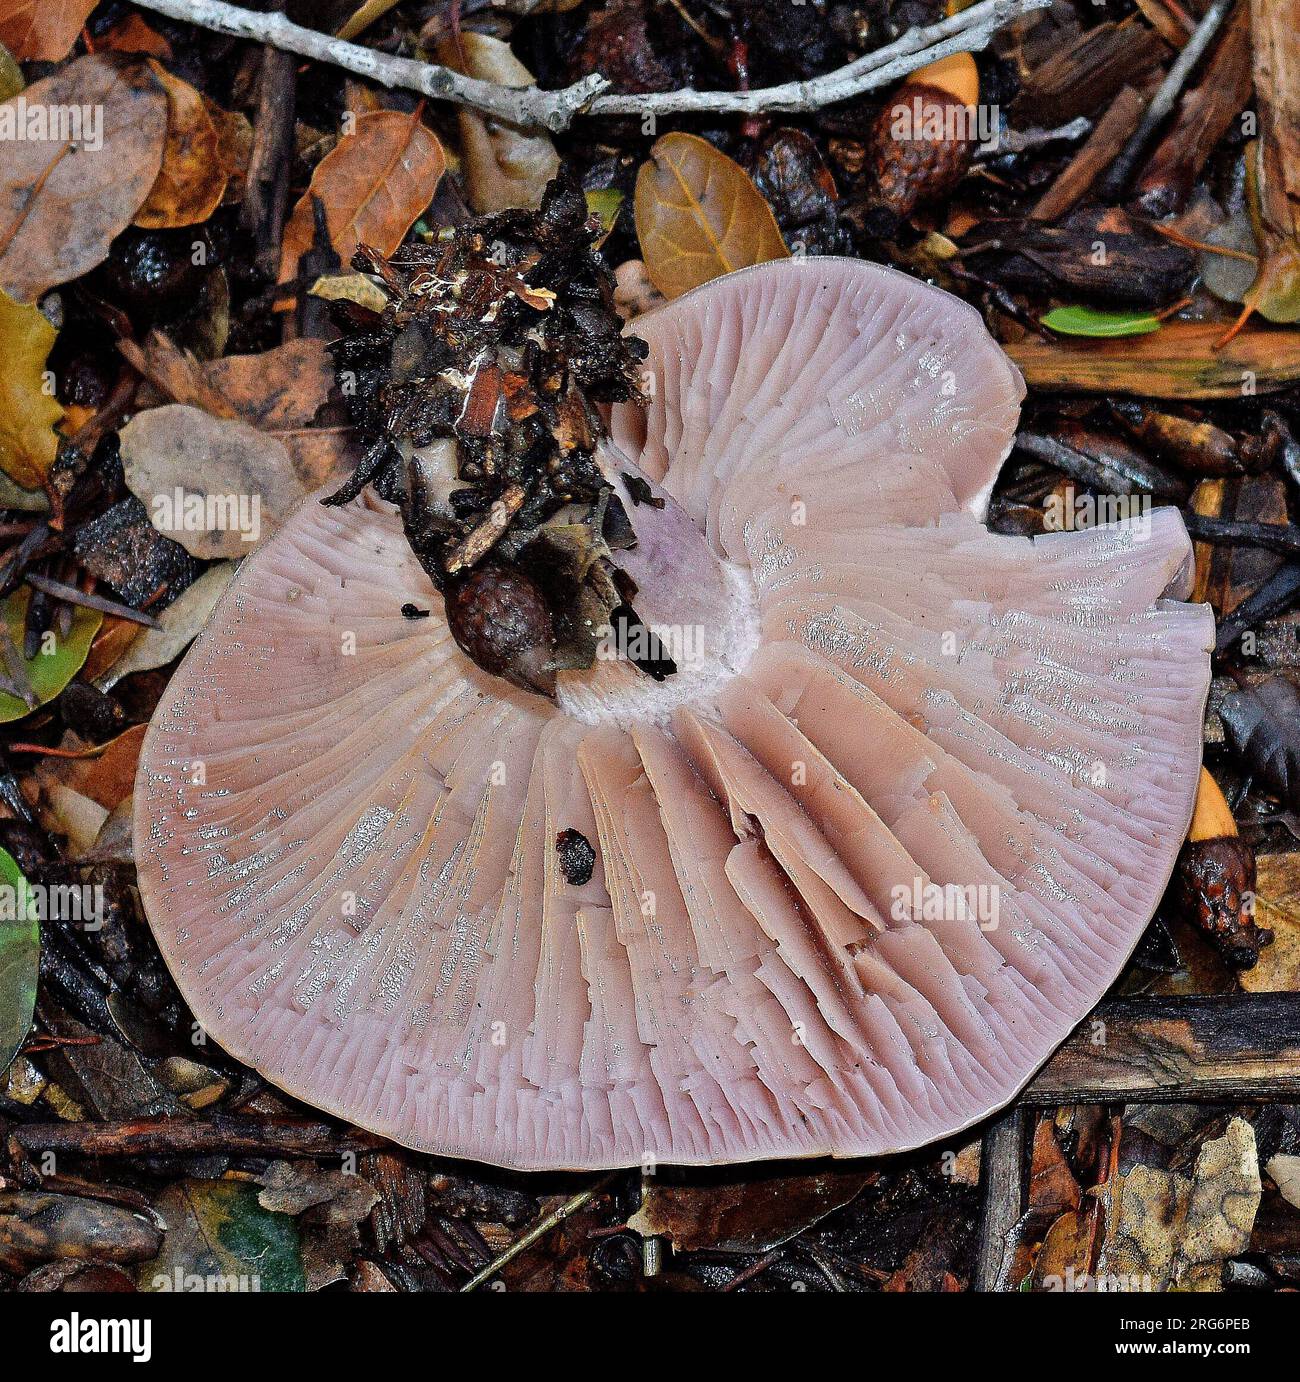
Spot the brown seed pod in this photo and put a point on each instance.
(920, 143)
(500, 620)
(1214, 881)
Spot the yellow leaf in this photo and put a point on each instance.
(699, 216)
(28, 413)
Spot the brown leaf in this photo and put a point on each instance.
(373, 184)
(503, 166)
(1178, 361)
(193, 178)
(236, 483)
(42, 30)
(133, 35)
(61, 204)
(699, 216)
(28, 413)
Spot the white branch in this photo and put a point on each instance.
(530, 107)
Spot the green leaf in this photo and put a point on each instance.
(20, 957)
(48, 672)
(605, 202)
(11, 75)
(1088, 321)
(219, 1238)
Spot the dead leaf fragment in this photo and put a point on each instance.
(42, 30)
(29, 413)
(192, 180)
(63, 201)
(179, 625)
(373, 184)
(502, 166)
(698, 216)
(215, 485)
(1178, 1232)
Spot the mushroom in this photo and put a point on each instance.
(838, 886)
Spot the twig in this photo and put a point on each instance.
(1001, 1155)
(71, 595)
(1116, 178)
(529, 107)
(540, 1228)
(222, 1132)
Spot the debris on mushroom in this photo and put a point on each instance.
(854, 868)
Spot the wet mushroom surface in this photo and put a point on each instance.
(838, 884)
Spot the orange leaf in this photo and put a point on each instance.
(374, 184)
(192, 179)
(42, 30)
(133, 35)
(699, 216)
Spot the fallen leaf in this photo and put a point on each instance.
(133, 35)
(192, 179)
(1263, 725)
(698, 215)
(109, 777)
(62, 202)
(49, 671)
(42, 30)
(215, 485)
(1171, 1231)
(115, 636)
(1277, 906)
(1090, 321)
(350, 288)
(20, 954)
(179, 624)
(502, 165)
(1178, 361)
(74, 815)
(218, 1237)
(745, 1215)
(38, 1227)
(374, 184)
(11, 75)
(29, 412)
(1285, 1172)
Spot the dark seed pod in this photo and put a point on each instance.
(910, 163)
(1214, 886)
(500, 620)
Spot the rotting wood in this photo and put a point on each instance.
(1222, 1048)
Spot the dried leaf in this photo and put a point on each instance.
(192, 180)
(1178, 361)
(1277, 906)
(29, 412)
(743, 1215)
(215, 485)
(219, 1238)
(350, 288)
(133, 35)
(373, 185)
(42, 30)
(698, 215)
(1285, 1171)
(63, 202)
(49, 671)
(1263, 725)
(179, 625)
(20, 954)
(502, 166)
(1178, 1232)
(11, 75)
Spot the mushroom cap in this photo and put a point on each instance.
(856, 876)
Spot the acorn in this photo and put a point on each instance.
(501, 622)
(1214, 880)
(921, 143)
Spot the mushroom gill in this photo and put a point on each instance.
(853, 872)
